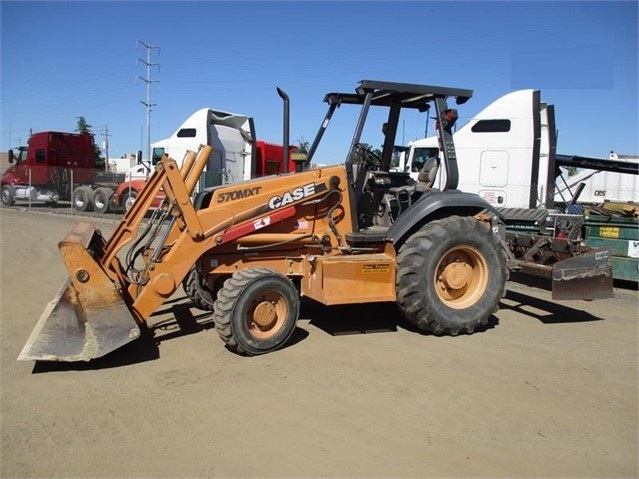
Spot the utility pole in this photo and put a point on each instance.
(106, 136)
(148, 82)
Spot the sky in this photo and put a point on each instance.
(63, 60)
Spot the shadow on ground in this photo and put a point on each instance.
(178, 318)
(548, 312)
(366, 319)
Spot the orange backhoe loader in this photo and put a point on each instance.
(353, 233)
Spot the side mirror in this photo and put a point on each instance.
(11, 157)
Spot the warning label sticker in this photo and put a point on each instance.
(376, 268)
(633, 249)
(608, 232)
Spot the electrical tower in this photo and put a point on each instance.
(148, 82)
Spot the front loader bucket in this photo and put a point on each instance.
(69, 331)
(88, 318)
(585, 276)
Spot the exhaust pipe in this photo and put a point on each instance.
(286, 125)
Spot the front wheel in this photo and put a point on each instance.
(8, 196)
(451, 275)
(128, 198)
(197, 291)
(256, 311)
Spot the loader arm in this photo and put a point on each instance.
(234, 212)
(129, 226)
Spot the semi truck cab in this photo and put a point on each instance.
(45, 169)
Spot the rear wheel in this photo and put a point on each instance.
(83, 198)
(8, 195)
(256, 311)
(451, 275)
(102, 200)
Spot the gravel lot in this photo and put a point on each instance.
(548, 390)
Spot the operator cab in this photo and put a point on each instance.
(380, 193)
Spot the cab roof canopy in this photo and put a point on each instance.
(407, 95)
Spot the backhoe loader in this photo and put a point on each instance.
(351, 233)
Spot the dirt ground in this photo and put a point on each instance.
(548, 390)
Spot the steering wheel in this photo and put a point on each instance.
(368, 156)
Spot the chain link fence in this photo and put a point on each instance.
(90, 189)
(85, 190)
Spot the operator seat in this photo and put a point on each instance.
(427, 174)
(425, 181)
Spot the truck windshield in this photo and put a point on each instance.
(22, 155)
(420, 155)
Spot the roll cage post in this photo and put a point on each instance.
(446, 145)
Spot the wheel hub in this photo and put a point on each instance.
(456, 275)
(264, 314)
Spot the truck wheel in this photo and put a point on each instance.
(102, 200)
(451, 275)
(8, 195)
(256, 311)
(82, 198)
(197, 292)
(128, 198)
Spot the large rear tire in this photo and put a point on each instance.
(256, 311)
(451, 275)
(102, 200)
(82, 198)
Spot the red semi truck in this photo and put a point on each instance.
(57, 166)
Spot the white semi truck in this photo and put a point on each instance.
(231, 135)
(507, 155)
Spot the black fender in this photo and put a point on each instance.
(435, 204)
